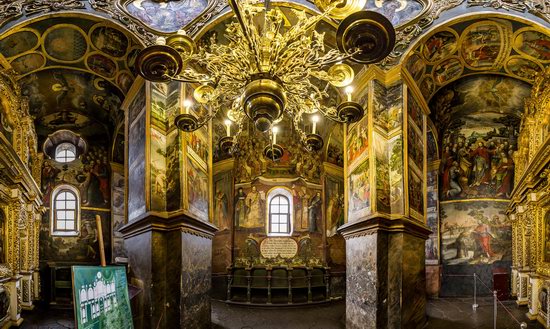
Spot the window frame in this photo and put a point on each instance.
(54, 230)
(64, 148)
(287, 195)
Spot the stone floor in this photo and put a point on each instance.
(442, 313)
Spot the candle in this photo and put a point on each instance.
(314, 119)
(228, 127)
(161, 41)
(181, 32)
(275, 130)
(349, 90)
(187, 105)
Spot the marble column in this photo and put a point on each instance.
(168, 237)
(385, 228)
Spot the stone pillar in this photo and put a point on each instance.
(386, 206)
(168, 237)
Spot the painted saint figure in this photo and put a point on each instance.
(483, 236)
(314, 211)
(253, 203)
(240, 207)
(220, 210)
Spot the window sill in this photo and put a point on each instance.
(65, 233)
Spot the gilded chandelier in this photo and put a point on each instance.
(265, 72)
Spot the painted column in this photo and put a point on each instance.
(168, 237)
(386, 205)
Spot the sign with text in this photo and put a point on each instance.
(273, 247)
(100, 295)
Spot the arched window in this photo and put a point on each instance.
(65, 211)
(65, 152)
(279, 212)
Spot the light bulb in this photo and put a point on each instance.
(187, 104)
(275, 131)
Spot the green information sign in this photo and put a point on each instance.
(101, 297)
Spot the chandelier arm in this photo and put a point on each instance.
(245, 30)
(341, 59)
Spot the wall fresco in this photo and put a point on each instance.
(416, 195)
(117, 211)
(398, 12)
(197, 190)
(223, 203)
(482, 117)
(475, 232)
(359, 192)
(387, 103)
(432, 218)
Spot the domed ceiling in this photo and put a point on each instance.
(75, 71)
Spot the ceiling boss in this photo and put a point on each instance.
(267, 72)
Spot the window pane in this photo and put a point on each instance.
(60, 204)
(61, 215)
(70, 215)
(71, 205)
(283, 209)
(273, 228)
(61, 225)
(70, 196)
(275, 208)
(70, 225)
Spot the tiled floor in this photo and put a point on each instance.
(442, 314)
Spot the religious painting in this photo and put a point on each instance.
(118, 249)
(158, 170)
(137, 105)
(335, 147)
(448, 70)
(168, 16)
(334, 204)
(398, 12)
(415, 112)
(534, 44)
(300, 201)
(358, 142)
(125, 80)
(416, 66)
(165, 104)
(477, 232)
(523, 68)
(223, 203)
(547, 237)
(65, 43)
(27, 63)
(173, 171)
(109, 40)
(440, 45)
(395, 145)
(432, 218)
(433, 153)
(250, 207)
(19, 42)
(101, 65)
(416, 195)
(427, 86)
(482, 45)
(3, 247)
(197, 145)
(83, 248)
(117, 190)
(359, 192)
(197, 190)
(387, 106)
(415, 145)
(382, 174)
(136, 134)
(481, 136)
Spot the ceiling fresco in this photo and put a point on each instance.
(166, 17)
(69, 99)
(78, 43)
(488, 46)
(399, 12)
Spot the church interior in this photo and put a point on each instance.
(364, 158)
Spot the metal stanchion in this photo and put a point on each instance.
(523, 325)
(475, 305)
(495, 301)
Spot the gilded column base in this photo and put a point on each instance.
(14, 287)
(26, 291)
(385, 266)
(523, 297)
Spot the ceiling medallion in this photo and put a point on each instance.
(267, 72)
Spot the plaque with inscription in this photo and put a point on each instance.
(273, 247)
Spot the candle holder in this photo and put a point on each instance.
(350, 111)
(226, 144)
(273, 152)
(314, 142)
(187, 122)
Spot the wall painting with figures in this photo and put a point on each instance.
(481, 116)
